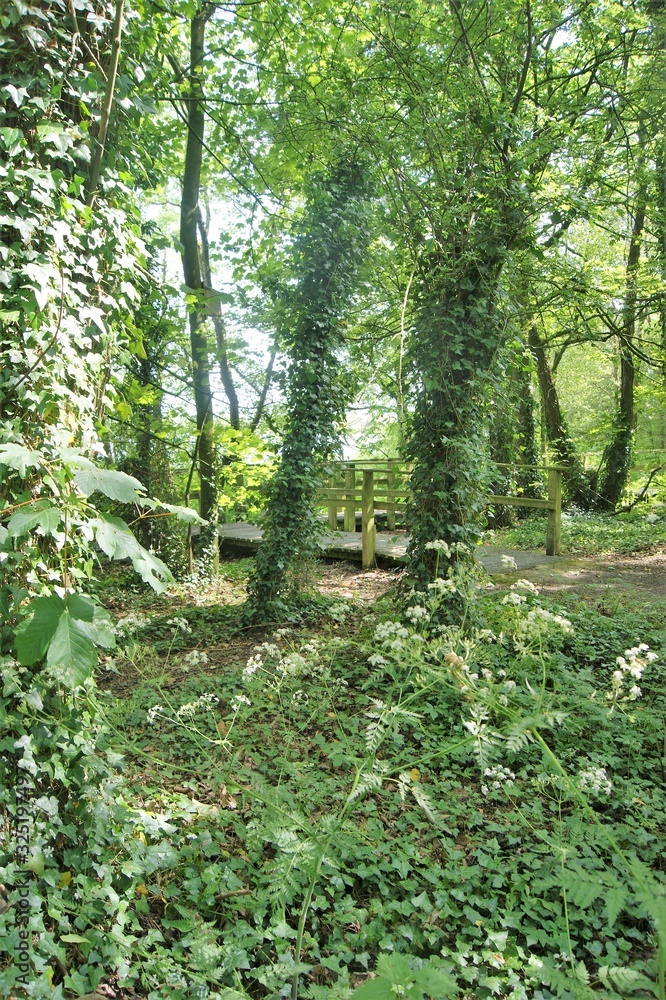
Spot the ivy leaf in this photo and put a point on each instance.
(72, 651)
(19, 458)
(113, 484)
(34, 635)
(41, 514)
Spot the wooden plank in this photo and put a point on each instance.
(522, 502)
(350, 498)
(554, 529)
(332, 509)
(368, 529)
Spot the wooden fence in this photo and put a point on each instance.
(383, 485)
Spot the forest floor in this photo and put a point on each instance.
(247, 786)
(603, 580)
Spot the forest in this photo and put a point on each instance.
(333, 518)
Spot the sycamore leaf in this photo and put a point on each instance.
(71, 651)
(100, 629)
(41, 514)
(183, 513)
(34, 635)
(19, 458)
(115, 485)
(80, 606)
(117, 541)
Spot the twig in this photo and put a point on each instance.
(641, 495)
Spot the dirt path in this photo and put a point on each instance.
(640, 575)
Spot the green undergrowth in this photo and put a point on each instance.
(641, 530)
(469, 811)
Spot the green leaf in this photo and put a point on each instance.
(583, 892)
(74, 939)
(615, 899)
(374, 989)
(19, 458)
(114, 485)
(626, 980)
(184, 513)
(117, 541)
(100, 630)
(80, 606)
(36, 864)
(71, 651)
(41, 514)
(34, 635)
(435, 983)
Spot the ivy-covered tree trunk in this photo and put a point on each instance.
(457, 334)
(329, 251)
(617, 456)
(189, 214)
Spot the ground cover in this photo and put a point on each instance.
(310, 812)
(366, 796)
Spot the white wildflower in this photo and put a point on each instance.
(417, 614)
(508, 562)
(443, 586)
(376, 660)
(179, 623)
(238, 700)
(204, 703)
(594, 780)
(499, 777)
(194, 658)
(524, 585)
(131, 623)
(513, 598)
(633, 664)
(253, 664)
(439, 545)
(153, 713)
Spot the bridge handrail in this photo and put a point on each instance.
(393, 500)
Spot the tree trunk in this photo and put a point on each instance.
(220, 329)
(617, 457)
(261, 402)
(576, 482)
(189, 208)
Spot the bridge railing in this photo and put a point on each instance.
(383, 485)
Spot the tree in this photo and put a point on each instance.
(328, 253)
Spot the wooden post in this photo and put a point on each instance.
(390, 506)
(350, 505)
(368, 531)
(332, 509)
(554, 530)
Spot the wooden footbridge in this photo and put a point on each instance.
(360, 493)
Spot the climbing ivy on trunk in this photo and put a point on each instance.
(328, 253)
